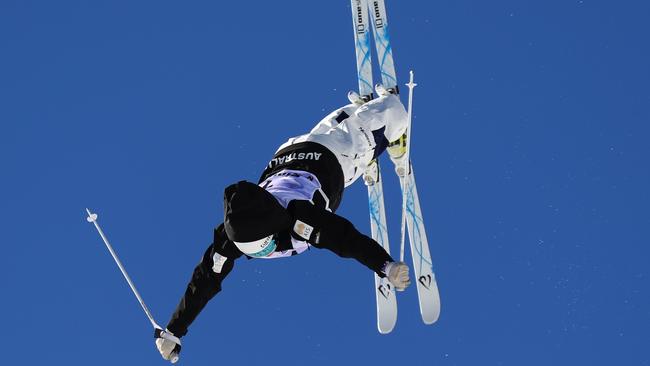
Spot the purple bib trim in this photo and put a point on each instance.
(287, 185)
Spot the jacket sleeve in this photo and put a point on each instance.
(216, 263)
(333, 232)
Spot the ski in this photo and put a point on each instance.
(362, 48)
(382, 44)
(384, 293)
(427, 288)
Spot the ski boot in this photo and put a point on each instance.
(357, 99)
(383, 91)
(396, 149)
(371, 176)
(397, 153)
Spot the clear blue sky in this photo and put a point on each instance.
(530, 144)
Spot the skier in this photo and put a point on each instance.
(292, 208)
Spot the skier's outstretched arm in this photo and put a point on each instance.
(216, 264)
(339, 235)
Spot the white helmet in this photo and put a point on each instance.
(258, 248)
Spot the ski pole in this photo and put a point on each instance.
(411, 85)
(93, 218)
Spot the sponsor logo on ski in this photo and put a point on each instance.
(384, 290)
(361, 27)
(295, 156)
(425, 281)
(379, 21)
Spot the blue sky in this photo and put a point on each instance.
(530, 143)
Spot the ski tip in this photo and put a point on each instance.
(430, 312)
(431, 320)
(386, 325)
(433, 314)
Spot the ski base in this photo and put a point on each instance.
(384, 291)
(427, 287)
